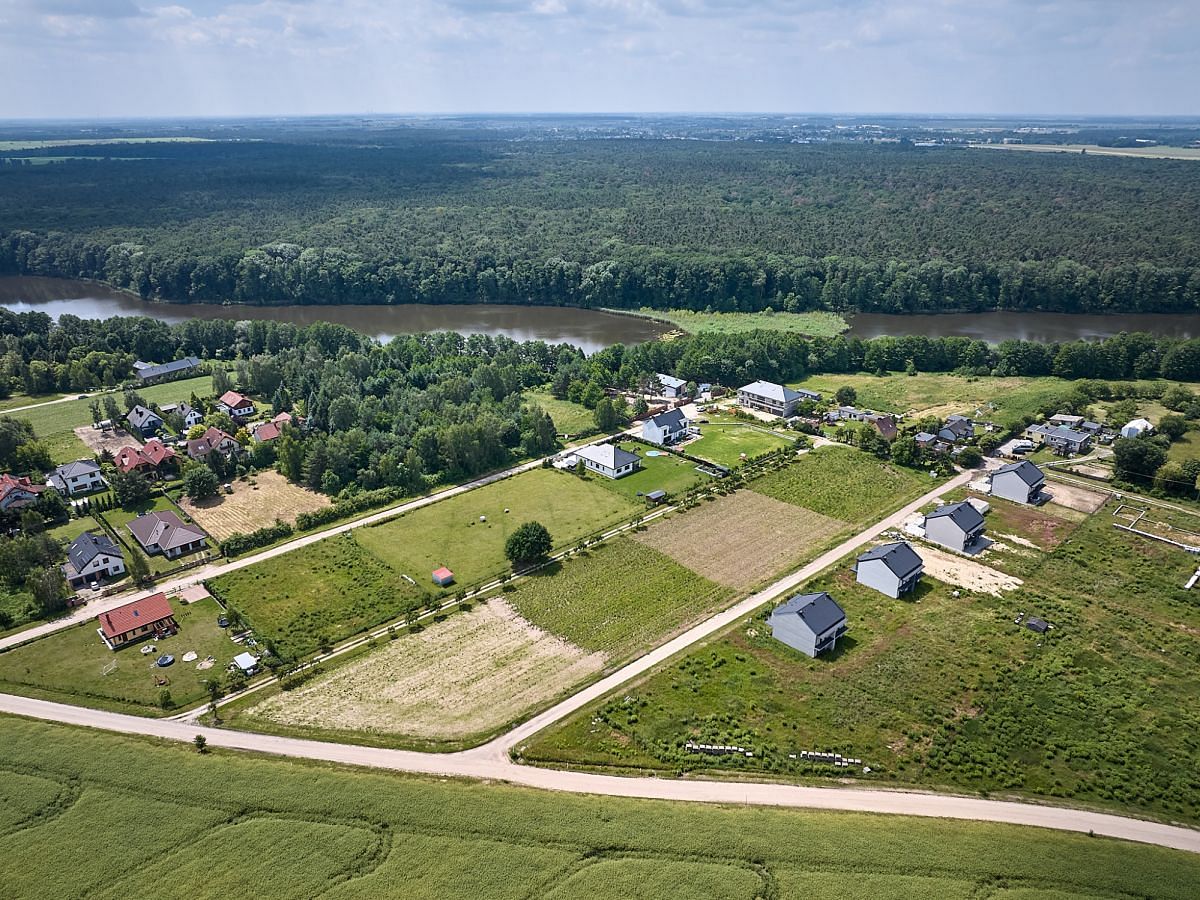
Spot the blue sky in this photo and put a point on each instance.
(67, 58)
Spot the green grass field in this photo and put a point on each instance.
(343, 585)
(818, 324)
(844, 483)
(725, 444)
(619, 598)
(222, 823)
(569, 418)
(68, 665)
(664, 472)
(948, 691)
(53, 424)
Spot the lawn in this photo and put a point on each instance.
(620, 598)
(53, 424)
(663, 472)
(229, 823)
(817, 324)
(844, 484)
(1022, 533)
(327, 591)
(732, 445)
(17, 603)
(950, 692)
(450, 532)
(569, 418)
(68, 665)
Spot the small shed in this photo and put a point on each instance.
(246, 662)
(1033, 623)
(443, 577)
(656, 497)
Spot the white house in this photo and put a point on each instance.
(1136, 428)
(92, 557)
(190, 415)
(79, 477)
(1020, 482)
(145, 421)
(670, 386)
(810, 623)
(955, 525)
(236, 404)
(766, 396)
(665, 428)
(892, 569)
(608, 460)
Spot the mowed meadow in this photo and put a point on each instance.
(223, 823)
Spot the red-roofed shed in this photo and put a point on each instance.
(134, 621)
(443, 576)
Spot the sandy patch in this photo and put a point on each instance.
(1019, 541)
(1073, 497)
(253, 506)
(1100, 472)
(740, 539)
(113, 440)
(965, 573)
(472, 673)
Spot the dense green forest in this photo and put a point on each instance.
(464, 215)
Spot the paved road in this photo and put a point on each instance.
(474, 764)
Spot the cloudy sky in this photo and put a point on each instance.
(68, 58)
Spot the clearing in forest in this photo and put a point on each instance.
(465, 676)
(741, 539)
(255, 503)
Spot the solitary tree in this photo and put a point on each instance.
(201, 743)
(846, 396)
(529, 543)
(606, 416)
(199, 482)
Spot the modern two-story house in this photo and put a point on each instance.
(810, 623)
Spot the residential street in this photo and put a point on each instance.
(491, 761)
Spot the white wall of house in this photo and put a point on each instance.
(1011, 486)
(874, 573)
(942, 530)
(792, 630)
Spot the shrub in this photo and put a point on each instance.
(239, 543)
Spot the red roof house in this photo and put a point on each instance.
(443, 576)
(16, 493)
(140, 619)
(144, 459)
(237, 405)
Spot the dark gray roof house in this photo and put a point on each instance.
(162, 531)
(1020, 482)
(955, 525)
(92, 557)
(665, 428)
(144, 420)
(148, 372)
(810, 623)
(892, 569)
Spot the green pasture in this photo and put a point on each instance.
(726, 444)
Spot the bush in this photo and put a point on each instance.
(239, 543)
(348, 507)
(529, 542)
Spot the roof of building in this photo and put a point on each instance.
(608, 455)
(140, 417)
(1064, 418)
(88, 546)
(885, 425)
(282, 418)
(148, 370)
(958, 425)
(157, 452)
(672, 418)
(925, 436)
(198, 447)
(442, 573)
(1141, 424)
(670, 381)
(125, 618)
(234, 400)
(1025, 470)
(216, 436)
(780, 393)
(819, 612)
(808, 395)
(78, 467)
(164, 529)
(1068, 434)
(12, 483)
(899, 557)
(656, 495)
(267, 431)
(245, 662)
(154, 453)
(1033, 623)
(963, 514)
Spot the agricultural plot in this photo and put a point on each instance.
(356, 835)
(948, 691)
(618, 598)
(732, 445)
(451, 533)
(257, 501)
(844, 484)
(741, 539)
(327, 591)
(462, 677)
(74, 666)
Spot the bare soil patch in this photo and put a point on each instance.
(1073, 497)
(741, 539)
(468, 675)
(965, 573)
(112, 440)
(254, 503)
